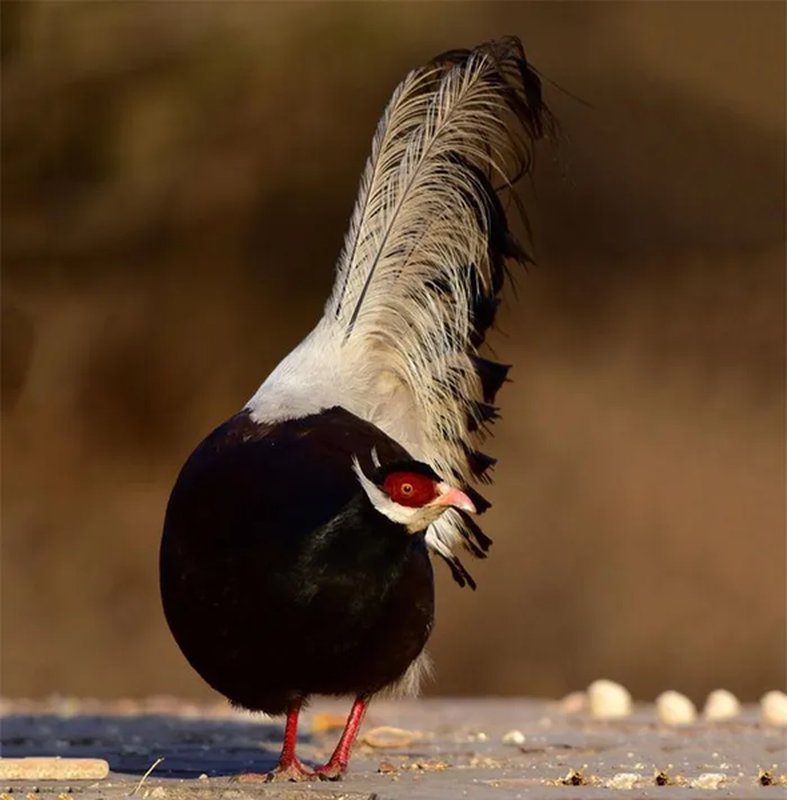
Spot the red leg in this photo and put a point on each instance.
(289, 767)
(337, 765)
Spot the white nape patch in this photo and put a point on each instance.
(304, 383)
(323, 372)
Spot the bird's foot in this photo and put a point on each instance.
(292, 770)
(332, 771)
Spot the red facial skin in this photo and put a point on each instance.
(410, 489)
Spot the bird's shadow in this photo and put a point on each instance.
(132, 744)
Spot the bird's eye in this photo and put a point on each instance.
(410, 488)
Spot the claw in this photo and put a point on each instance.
(294, 771)
(330, 772)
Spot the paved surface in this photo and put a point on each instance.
(444, 749)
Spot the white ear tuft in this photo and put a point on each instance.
(375, 494)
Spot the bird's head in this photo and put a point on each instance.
(411, 493)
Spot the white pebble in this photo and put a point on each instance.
(623, 780)
(773, 706)
(674, 708)
(721, 705)
(608, 700)
(514, 737)
(574, 703)
(708, 780)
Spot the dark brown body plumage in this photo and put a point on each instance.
(278, 577)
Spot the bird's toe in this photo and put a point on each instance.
(293, 771)
(330, 772)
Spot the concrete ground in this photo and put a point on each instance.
(421, 750)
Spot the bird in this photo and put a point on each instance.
(298, 541)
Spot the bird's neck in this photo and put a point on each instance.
(360, 537)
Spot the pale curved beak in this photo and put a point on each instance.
(451, 496)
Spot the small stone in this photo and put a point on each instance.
(708, 780)
(203, 777)
(514, 737)
(190, 711)
(574, 703)
(765, 778)
(773, 706)
(53, 769)
(68, 706)
(623, 780)
(126, 707)
(608, 700)
(721, 705)
(573, 778)
(674, 708)
(385, 736)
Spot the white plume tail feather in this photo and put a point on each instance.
(421, 271)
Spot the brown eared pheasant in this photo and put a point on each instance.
(296, 553)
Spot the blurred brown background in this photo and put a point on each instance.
(177, 178)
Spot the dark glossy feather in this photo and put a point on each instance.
(278, 578)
